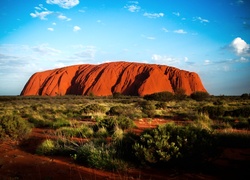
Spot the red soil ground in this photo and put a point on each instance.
(19, 161)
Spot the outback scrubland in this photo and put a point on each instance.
(152, 137)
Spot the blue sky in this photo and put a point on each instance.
(211, 38)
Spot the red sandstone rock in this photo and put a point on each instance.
(116, 77)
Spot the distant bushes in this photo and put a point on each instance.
(241, 112)
(14, 127)
(179, 94)
(121, 110)
(199, 95)
(160, 96)
(220, 111)
(245, 96)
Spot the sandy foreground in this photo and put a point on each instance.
(19, 161)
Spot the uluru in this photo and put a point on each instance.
(128, 78)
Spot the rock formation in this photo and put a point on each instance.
(127, 78)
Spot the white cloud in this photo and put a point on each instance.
(185, 59)
(242, 60)
(164, 59)
(240, 46)
(76, 28)
(207, 62)
(176, 13)
(53, 23)
(51, 29)
(42, 15)
(38, 8)
(200, 19)
(165, 30)
(67, 4)
(148, 37)
(180, 31)
(153, 15)
(62, 17)
(81, 11)
(85, 53)
(226, 68)
(44, 49)
(240, 2)
(133, 7)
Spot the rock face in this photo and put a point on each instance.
(127, 78)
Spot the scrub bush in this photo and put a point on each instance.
(170, 142)
(199, 95)
(160, 96)
(213, 111)
(100, 156)
(93, 108)
(47, 147)
(14, 127)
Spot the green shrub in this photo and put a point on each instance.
(93, 108)
(203, 121)
(199, 95)
(68, 131)
(108, 123)
(61, 146)
(180, 94)
(160, 96)
(241, 112)
(128, 111)
(14, 127)
(83, 131)
(213, 111)
(99, 156)
(86, 131)
(116, 110)
(101, 132)
(245, 96)
(59, 122)
(46, 148)
(170, 142)
(117, 135)
(148, 108)
(111, 122)
(38, 121)
(124, 147)
(124, 122)
(161, 105)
